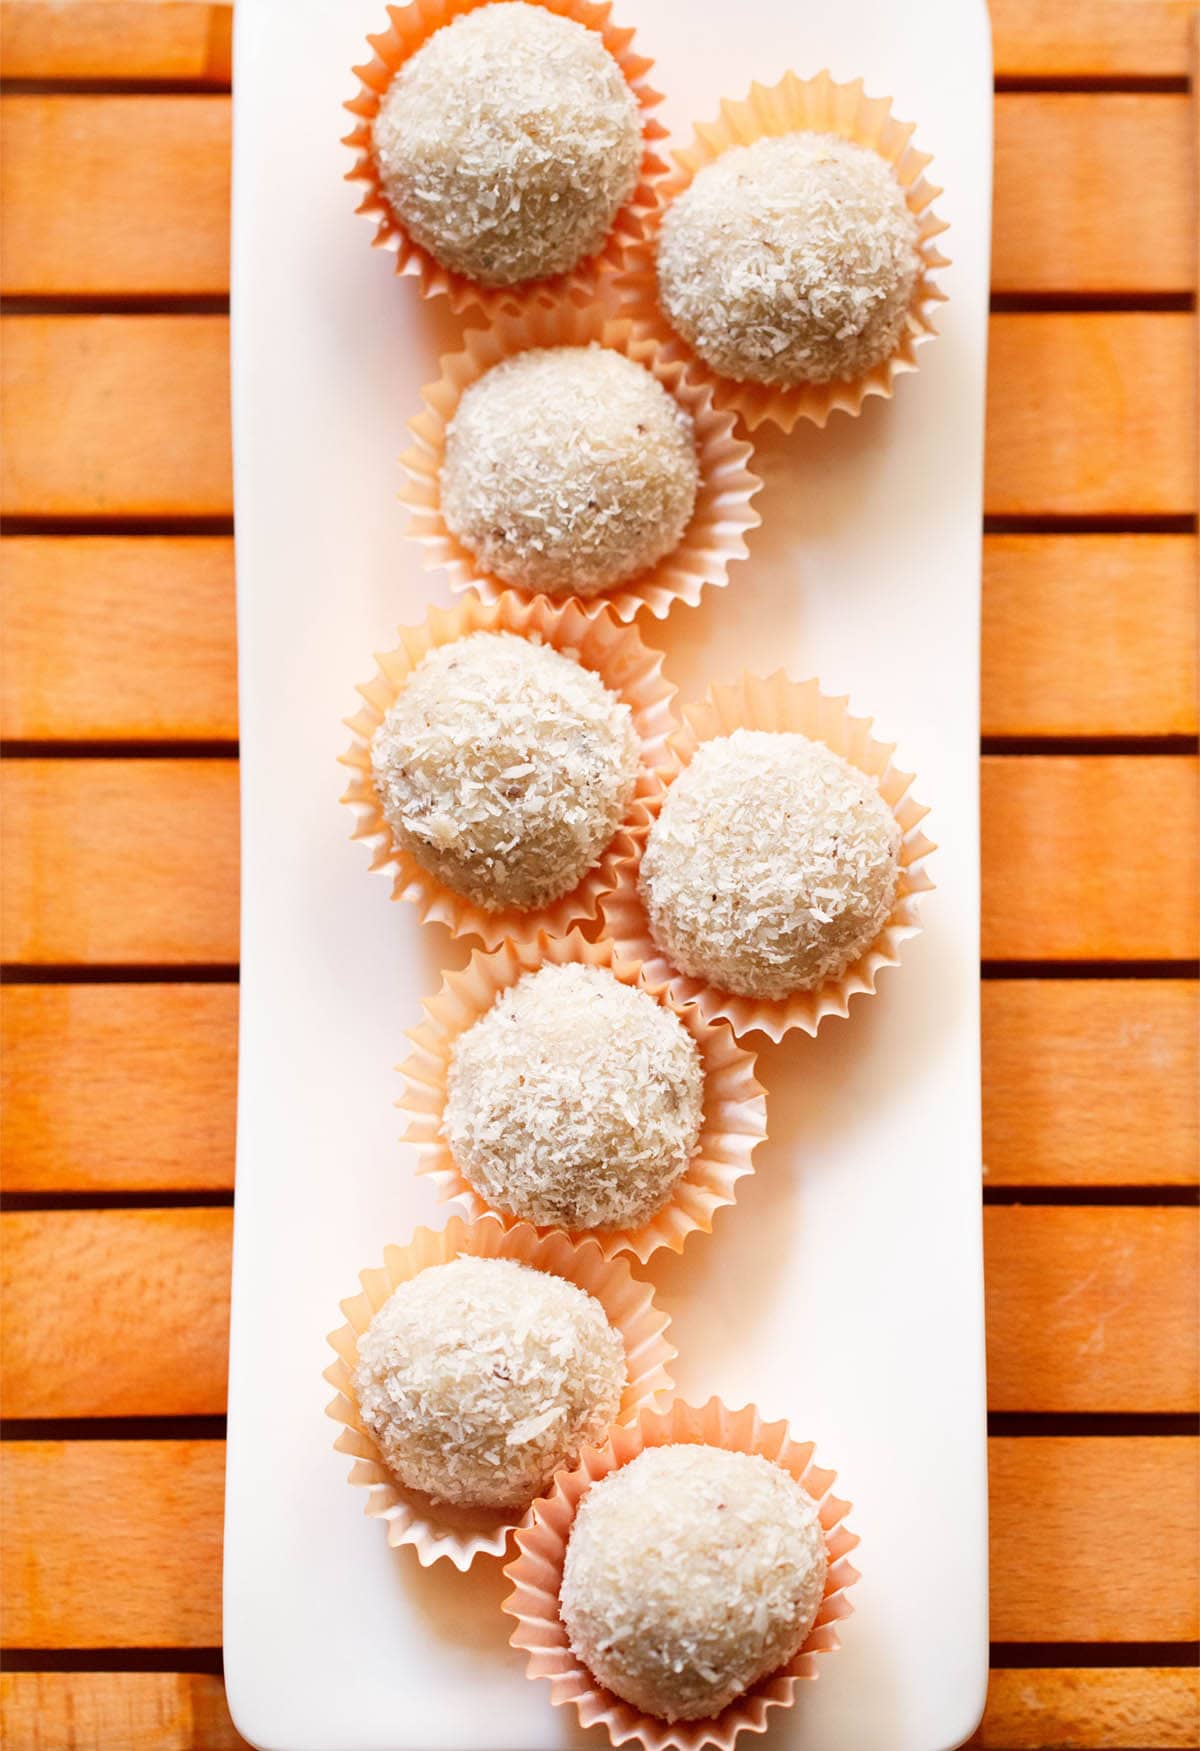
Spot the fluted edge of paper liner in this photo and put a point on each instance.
(536, 1574)
(626, 666)
(439, 1531)
(776, 702)
(818, 105)
(723, 516)
(409, 27)
(734, 1111)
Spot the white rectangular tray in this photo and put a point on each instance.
(845, 1290)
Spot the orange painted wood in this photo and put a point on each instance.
(1092, 38)
(144, 210)
(118, 638)
(115, 416)
(118, 1087)
(115, 1313)
(112, 1544)
(1084, 1309)
(136, 1711)
(1091, 1082)
(1154, 1707)
(1090, 858)
(1089, 635)
(185, 41)
(1091, 414)
(122, 861)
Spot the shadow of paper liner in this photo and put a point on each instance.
(437, 1530)
(734, 1117)
(723, 514)
(625, 665)
(795, 105)
(536, 1573)
(777, 703)
(412, 25)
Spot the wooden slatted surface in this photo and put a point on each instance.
(117, 694)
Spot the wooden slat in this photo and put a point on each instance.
(116, 416)
(123, 861)
(118, 1087)
(1154, 1707)
(183, 41)
(1090, 858)
(1092, 1540)
(1091, 415)
(128, 415)
(1084, 1309)
(118, 639)
(144, 210)
(115, 1313)
(1090, 1082)
(1089, 635)
(1092, 38)
(115, 1711)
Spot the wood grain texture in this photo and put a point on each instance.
(115, 1313)
(1090, 858)
(118, 639)
(1092, 38)
(1091, 1082)
(132, 1711)
(122, 861)
(181, 41)
(118, 1087)
(1089, 635)
(144, 210)
(108, 416)
(1154, 1707)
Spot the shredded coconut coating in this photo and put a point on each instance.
(690, 1574)
(569, 469)
(792, 260)
(479, 1379)
(504, 768)
(772, 866)
(576, 1101)
(508, 143)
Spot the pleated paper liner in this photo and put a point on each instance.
(409, 27)
(439, 1530)
(716, 535)
(781, 704)
(536, 1574)
(734, 1113)
(623, 663)
(794, 105)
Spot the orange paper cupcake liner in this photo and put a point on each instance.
(734, 1115)
(624, 664)
(778, 703)
(536, 1574)
(410, 26)
(716, 535)
(794, 105)
(438, 1530)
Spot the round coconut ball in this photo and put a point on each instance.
(504, 768)
(508, 143)
(569, 469)
(772, 866)
(575, 1101)
(793, 260)
(690, 1574)
(480, 1378)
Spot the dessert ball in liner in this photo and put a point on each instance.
(542, 1545)
(628, 670)
(410, 28)
(715, 531)
(778, 704)
(456, 1533)
(816, 106)
(733, 1117)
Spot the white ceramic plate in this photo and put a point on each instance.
(845, 1289)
